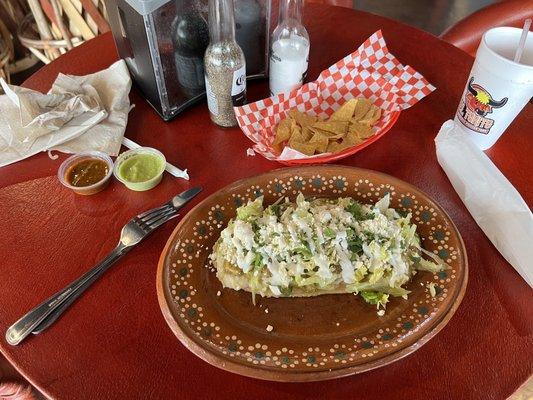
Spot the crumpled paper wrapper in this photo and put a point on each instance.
(494, 203)
(79, 113)
(371, 71)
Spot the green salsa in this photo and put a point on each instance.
(140, 167)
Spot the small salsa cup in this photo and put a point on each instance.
(76, 158)
(144, 185)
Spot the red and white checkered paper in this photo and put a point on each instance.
(371, 72)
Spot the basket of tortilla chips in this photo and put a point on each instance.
(351, 105)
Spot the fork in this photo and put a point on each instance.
(138, 228)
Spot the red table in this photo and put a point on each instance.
(115, 344)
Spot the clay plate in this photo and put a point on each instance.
(315, 338)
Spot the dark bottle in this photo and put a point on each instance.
(250, 32)
(190, 37)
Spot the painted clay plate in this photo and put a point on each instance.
(314, 338)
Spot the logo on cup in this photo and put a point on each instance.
(475, 106)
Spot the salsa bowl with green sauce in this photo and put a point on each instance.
(140, 169)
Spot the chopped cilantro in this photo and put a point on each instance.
(286, 291)
(304, 251)
(355, 244)
(258, 260)
(328, 232)
(356, 209)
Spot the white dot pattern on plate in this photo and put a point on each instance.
(190, 253)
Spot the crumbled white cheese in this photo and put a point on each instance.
(219, 293)
(275, 290)
(269, 328)
(432, 290)
(266, 310)
(313, 243)
(381, 313)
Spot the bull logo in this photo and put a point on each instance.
(475, 106)
(479, 100)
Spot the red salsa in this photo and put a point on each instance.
(86, 172)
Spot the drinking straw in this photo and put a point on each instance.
(522, 42)
(171, 169)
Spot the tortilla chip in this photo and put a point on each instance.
(296, 135)
(334, 127)
(349, 126)
(278, 147)
(377, 115)
(307, 134)
(283, 131)
(320, 142)
(361, 108)
(333, 147)
(372, 116)
(336, 147)
(329, 135)
(345, 112)
(301, 118)
(352, 139)
(363, 131)
(344, 144)
(305, 148)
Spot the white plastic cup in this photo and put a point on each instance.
(498, 88)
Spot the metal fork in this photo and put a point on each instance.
(46, 313)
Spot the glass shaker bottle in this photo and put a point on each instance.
(289, 51)
(225, 68)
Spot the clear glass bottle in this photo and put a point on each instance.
(190, 37)
(289, 49)
(225, 67)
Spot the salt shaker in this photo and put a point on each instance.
(225, 67)
(289, 52)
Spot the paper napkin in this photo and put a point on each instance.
(79, 113)
(494, 203)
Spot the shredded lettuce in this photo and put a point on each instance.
(252, 210)
(383, 204)
(360, 273)
(377, 298)
(323, 244)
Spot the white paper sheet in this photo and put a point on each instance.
(494, 203)
(79, 113)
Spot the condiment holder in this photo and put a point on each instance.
(66, 169)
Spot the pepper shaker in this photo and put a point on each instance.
(225, 67)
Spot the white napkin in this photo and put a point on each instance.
(79, 113)
(495, 204)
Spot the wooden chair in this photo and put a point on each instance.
(56, 26)
(7, 52)
(467, 33)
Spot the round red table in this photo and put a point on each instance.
(114, 343)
